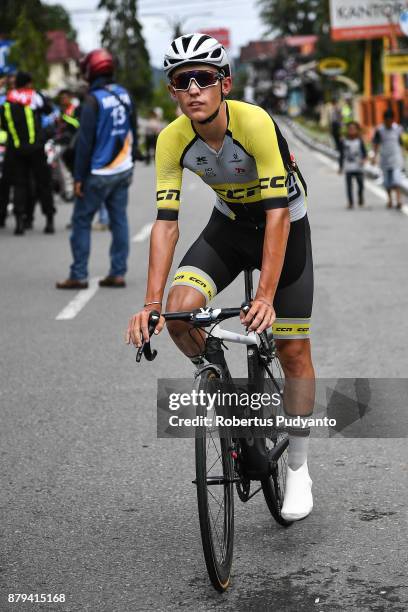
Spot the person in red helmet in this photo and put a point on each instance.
(105, 152)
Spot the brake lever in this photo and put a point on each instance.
(145, 349)
(268, 343)
(245, 307)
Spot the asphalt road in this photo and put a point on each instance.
(94, 506)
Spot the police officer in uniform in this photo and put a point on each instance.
(5, 173)
(20, 116)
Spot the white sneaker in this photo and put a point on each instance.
(298, 500)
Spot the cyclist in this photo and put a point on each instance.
(259, 220)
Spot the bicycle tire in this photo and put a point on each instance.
(273, 488)
(217, 554)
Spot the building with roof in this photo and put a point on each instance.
(63, 57)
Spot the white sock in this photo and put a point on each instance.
(297, 451)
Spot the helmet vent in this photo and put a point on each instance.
(216, 53)
(174, 47)
(200, 56)
(186, 41)
(200, 41)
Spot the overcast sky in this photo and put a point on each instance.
(240, 16)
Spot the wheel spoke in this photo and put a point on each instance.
(214, 498)
(216, 461)
(216, 532)
(216, 449)
(218, 513)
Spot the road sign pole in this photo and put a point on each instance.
(367, 69)
(387, 77)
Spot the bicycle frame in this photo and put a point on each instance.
(229, 336)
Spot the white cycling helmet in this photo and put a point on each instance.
(196, 48)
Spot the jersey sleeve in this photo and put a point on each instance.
(377, 137)
(271, 153)
(168, 177)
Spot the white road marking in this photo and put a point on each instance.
(375, 189)
(298, 142)
(80, 300)
(380, 193)
(143, 234)
(404, 209)
(326, 160)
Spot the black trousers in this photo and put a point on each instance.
(5, 185)
(349, 186)
(31, 177)
(150, 144)
(336, 134)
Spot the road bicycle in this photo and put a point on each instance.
(225, 460)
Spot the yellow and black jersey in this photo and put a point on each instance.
(251, 173)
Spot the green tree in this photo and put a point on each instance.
(161, 97)
(43, 17)
(293, 17)
(239, 81)
(122, 35)
(11, 9)
(30, 49)
(55, 17)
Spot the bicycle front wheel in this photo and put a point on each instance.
(215, 493)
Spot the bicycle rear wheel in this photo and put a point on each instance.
(215, 493)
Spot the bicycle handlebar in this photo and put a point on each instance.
(146, 349)
(202, 317)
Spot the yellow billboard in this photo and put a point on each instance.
(395, 63)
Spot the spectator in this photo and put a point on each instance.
(67, 128)
(335, 119)
(66, 136)
(20, 116)
(5, 185)
(347, 109)
(388, 142)
(106, 149)
(152, 130)
(353, 154)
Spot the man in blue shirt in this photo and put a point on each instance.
(105, 152)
